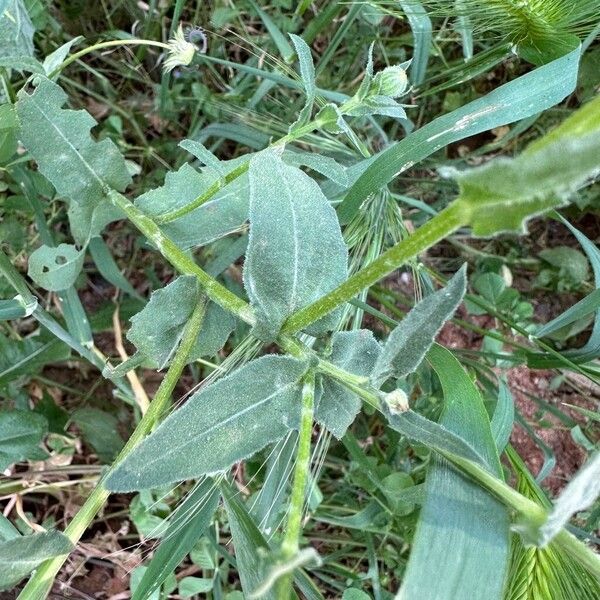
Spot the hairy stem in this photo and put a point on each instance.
(181, 261)
(229, 177)
(41, 581)
(436, 229)
(291, 540)
(109, 44)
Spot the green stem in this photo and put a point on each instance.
(229, 177)
(181, 261)
(436, 229)
(41, 581)
(291, 540)
(108, 44)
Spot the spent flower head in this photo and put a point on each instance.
(181, 52)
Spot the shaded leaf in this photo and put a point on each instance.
(21, 432)
(218, 426)
(307, 73)
(22, 555)
(296, 252)
(356, 352)
(157, 330)
(407, 344)
(99, 430)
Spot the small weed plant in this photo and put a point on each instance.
(276, 251)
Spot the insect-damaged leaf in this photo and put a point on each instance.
(157, 329)
(55, 269)
(224, 213)
(218, 426)
(80, 168)
(296, 252)
(408, 343)
(20, 555)
(463, 533)
(356, 352)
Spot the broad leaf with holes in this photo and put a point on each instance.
(156, 330)
(56, 269)
(218, 426)
(80, 168)
(296, 252)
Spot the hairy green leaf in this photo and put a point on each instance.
(223, 214)
(157, 329)
(503, 194)
(21, 555)
(186, 525)
(55, 268)
(307, 73)
(218, 426)
(16, 30)
(296, 252)
(356, 352)
(408, 343)
(463, 532)
(59, 140)
(580, 493)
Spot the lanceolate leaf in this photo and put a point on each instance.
(307, 72)
(408, 343)
(21, 555)
(461, 546)
(59, 140)
(296, 252)
(356, 352)
(157, 329)
(218, 426)
(186, 525)
(529, 94)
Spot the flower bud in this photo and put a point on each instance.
(391, 82)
